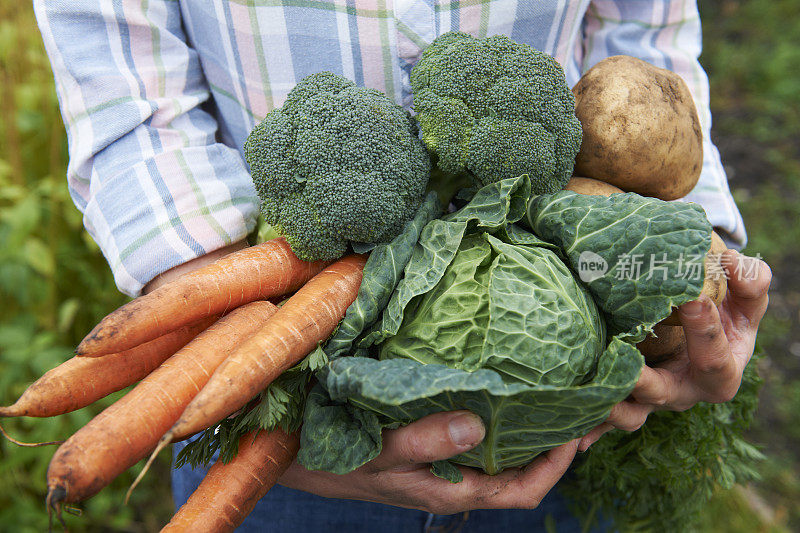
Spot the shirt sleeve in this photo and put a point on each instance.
(155, 186)
(668, 34)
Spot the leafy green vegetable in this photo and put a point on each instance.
(493, 109)
(479, 314)
(648, 246)
(521, 420)
(337, 164)
(490, 317)
(491, 208)
(359, 429)
(382, 272)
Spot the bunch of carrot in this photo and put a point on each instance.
(203, 346)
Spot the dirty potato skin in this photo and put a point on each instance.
(641, 131)
(591, 187)
(664, 343)
(715, 284)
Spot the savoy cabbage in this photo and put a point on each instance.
(486, 312)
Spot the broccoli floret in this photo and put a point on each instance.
(337, 163)
(494, 109)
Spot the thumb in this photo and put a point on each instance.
(432, 438)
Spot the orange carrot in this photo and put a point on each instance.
(230, 491)
(80, 381)
(128, 430)
(256, 273)
(305, 319)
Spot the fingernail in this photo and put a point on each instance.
(585, 444)
(466, 429)
(695, 308)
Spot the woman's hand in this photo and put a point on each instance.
(719, 344)
(401, 475)
(194, 264)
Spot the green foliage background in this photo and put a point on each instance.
(54, 283)
(54, 286)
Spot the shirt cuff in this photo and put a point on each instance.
(169, 209)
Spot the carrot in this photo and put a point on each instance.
(256, 273)
(21, 444)
(230, 491)
(80, 381)
(307, 318)
(126, 431)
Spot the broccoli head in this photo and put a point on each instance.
(494, 109)
(337, 163)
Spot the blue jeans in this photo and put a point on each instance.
(284, 509)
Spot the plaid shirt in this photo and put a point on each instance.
(158, 96)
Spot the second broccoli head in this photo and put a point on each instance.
(495, 109)
(337, 163)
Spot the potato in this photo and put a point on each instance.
(641, 131)
(664, 343)
(715, 284)
(591, 186)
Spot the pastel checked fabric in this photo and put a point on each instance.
(158, 96)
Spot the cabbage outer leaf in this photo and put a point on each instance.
(382, 272)
(357, 397)
(521, 420)
(627, 229)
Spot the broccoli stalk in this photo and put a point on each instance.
(337, 163)
(494, 109)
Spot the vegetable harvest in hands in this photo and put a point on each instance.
(488, 309)
(494, 317)
(129, 429)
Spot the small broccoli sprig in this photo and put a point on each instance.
(495, 109)
(337, 164)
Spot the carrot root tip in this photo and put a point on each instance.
(74, 511)
(27, 444)
(165, 440)
(55, 495)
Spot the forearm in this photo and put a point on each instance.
(156, 187)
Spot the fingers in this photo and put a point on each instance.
(659, 388)
(593, 436)
(443, 435)
(416, 488)
(714, 370)
(432, 438)
(749, 279)
(629, 415)
(531, 484)
(713, 373)
(516, 488)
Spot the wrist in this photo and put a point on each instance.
(193, 264)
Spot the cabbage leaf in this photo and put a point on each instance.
(489, 315)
